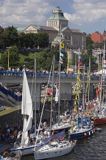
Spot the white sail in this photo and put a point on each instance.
(26, 110)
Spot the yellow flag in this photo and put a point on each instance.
(62, 45)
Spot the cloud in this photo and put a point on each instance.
(87, 11)
(24, 12)
(21, 13)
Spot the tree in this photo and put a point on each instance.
(89, 45)
(12, 54)
(1, 38)
(42, 40)
(44, 60)
(10, 36)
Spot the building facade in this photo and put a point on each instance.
(73, 38)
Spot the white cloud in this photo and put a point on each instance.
(87, 11)
(23, 12)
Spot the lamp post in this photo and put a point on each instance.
(8, 57)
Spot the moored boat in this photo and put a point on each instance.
(54, 149)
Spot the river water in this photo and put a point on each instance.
(93, 148)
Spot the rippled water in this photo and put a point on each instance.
(93, 148)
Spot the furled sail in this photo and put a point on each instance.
(26, 110)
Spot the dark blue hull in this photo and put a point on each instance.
(81, 135)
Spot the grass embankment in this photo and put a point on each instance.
(7, 111)
(10, 116)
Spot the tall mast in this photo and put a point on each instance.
(83, 88)
(103, 60)
(51, 113)
(35, 93)
(77, 89)
(89, 78)
(61, 46)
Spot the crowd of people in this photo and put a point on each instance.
(8, 134)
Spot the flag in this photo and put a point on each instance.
(78, 52)
(57, 95)
(62, 44)
(61, 60)
(80, 64)
(61, 56)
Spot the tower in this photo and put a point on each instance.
(57, 20)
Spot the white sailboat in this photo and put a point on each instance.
(54, 149)
(27, 112)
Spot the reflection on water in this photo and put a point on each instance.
(93, 148)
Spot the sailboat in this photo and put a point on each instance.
(54, 149)
(27, 112)
(24, 146)
(99, 114)
(83, 126)
(64, 121)
(59, 143)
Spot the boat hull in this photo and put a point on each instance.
(28, 150)
(54, 152)
(99, 121)
(82, 134)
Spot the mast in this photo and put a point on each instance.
(61, 46)
(77, 90)
(35, 93)
(59, 90)
(101, 84)
(89, 79)
(51, 113)
(83, 87)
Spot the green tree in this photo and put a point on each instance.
(10, 36)
(44, 60)
(1, 38)
(89, 45)
(12, 55)
(42, 40)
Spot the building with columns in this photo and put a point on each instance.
(74, 38)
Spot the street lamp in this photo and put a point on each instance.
(8, 57)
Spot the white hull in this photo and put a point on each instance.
(23, 150)
(54, 151)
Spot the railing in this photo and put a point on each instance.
(32, 74)
(45, 74)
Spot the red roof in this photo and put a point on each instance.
(97, 37)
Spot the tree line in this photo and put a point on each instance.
(20, 49)
(10, 36)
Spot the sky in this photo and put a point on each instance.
(87, 15)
